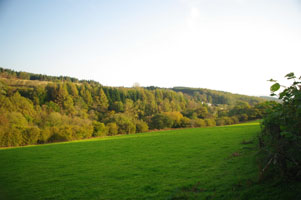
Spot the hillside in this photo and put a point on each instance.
(217, 97)
(38, 109)
(204, 95)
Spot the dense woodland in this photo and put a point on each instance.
(37, 109)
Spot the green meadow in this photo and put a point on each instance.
(197, 163)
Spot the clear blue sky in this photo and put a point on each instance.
(230, 45)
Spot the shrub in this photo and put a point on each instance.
(82, 131)
(176, 118)
(243, 117)
(220, 122)
(141, 126)
(11, 136)
(160, 121)
(185, 122)
(112, 128)
(60, 134)
(280, 139)
(31, 135)
(124, 122)
(235, 119)
(99, 129)
(44, 136)
(228, 120)
(198, 123)
(210, 122)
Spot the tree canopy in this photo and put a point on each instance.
(38, 109)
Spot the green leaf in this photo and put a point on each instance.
(299, 109)
(282, 128)
(290, 75)
(272, 80)
(275, 87)
(282, 94)
(286, 134)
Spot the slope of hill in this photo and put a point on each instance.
(217, 97)
(41, 109)
(270, 98)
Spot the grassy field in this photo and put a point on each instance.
(199, 163)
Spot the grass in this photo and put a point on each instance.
(199, 163)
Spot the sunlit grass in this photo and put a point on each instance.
(196, 163)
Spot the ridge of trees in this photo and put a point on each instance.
(217, 97)
(64, 108)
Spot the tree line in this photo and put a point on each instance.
(67, 109)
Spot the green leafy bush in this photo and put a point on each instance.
(210, 122)
(198, 123)
(141, 126)
(280, 139)
(112, 128)
(99, 129)
(160, 121)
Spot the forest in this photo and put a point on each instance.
(37, 109)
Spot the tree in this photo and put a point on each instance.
(198, 123)
(68, 109)
(220, 122)
(166, 106)
(160, 121)
(112, 128)
(201, 112)
(141, 126)
(72, 89)
(118, 106)
(176, 118)
(125, 123)
(102, 101)
(210, 122)
(185, 122)
(31, 135)
(129, 107)
(86, 95)
(68, 105)
(99, 129)
(22, 105)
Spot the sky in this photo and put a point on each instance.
(228, 45)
